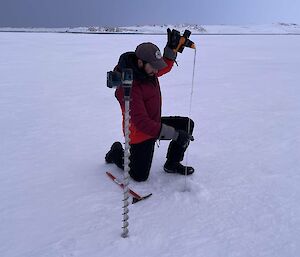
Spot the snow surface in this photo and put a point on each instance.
(58, 119)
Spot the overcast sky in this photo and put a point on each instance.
(68, 13)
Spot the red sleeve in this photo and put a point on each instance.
(170, 64)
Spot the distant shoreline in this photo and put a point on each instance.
(152, 34)
(266, 29)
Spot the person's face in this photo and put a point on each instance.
(148, 68)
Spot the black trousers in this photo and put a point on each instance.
(141, 154)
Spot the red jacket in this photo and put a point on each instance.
(145, 104)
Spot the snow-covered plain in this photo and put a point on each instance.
(58, 119)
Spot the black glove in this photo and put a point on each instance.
(173, 38)
(176, 43)
(170, 51)
(183, 138)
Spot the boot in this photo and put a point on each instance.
(177, 167)
(115, 151)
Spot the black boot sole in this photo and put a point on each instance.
(176, 172)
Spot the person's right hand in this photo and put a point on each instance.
(183, 138)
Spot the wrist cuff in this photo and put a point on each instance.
(169, 53)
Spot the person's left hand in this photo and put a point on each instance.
(174, 43)
(173, 39)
